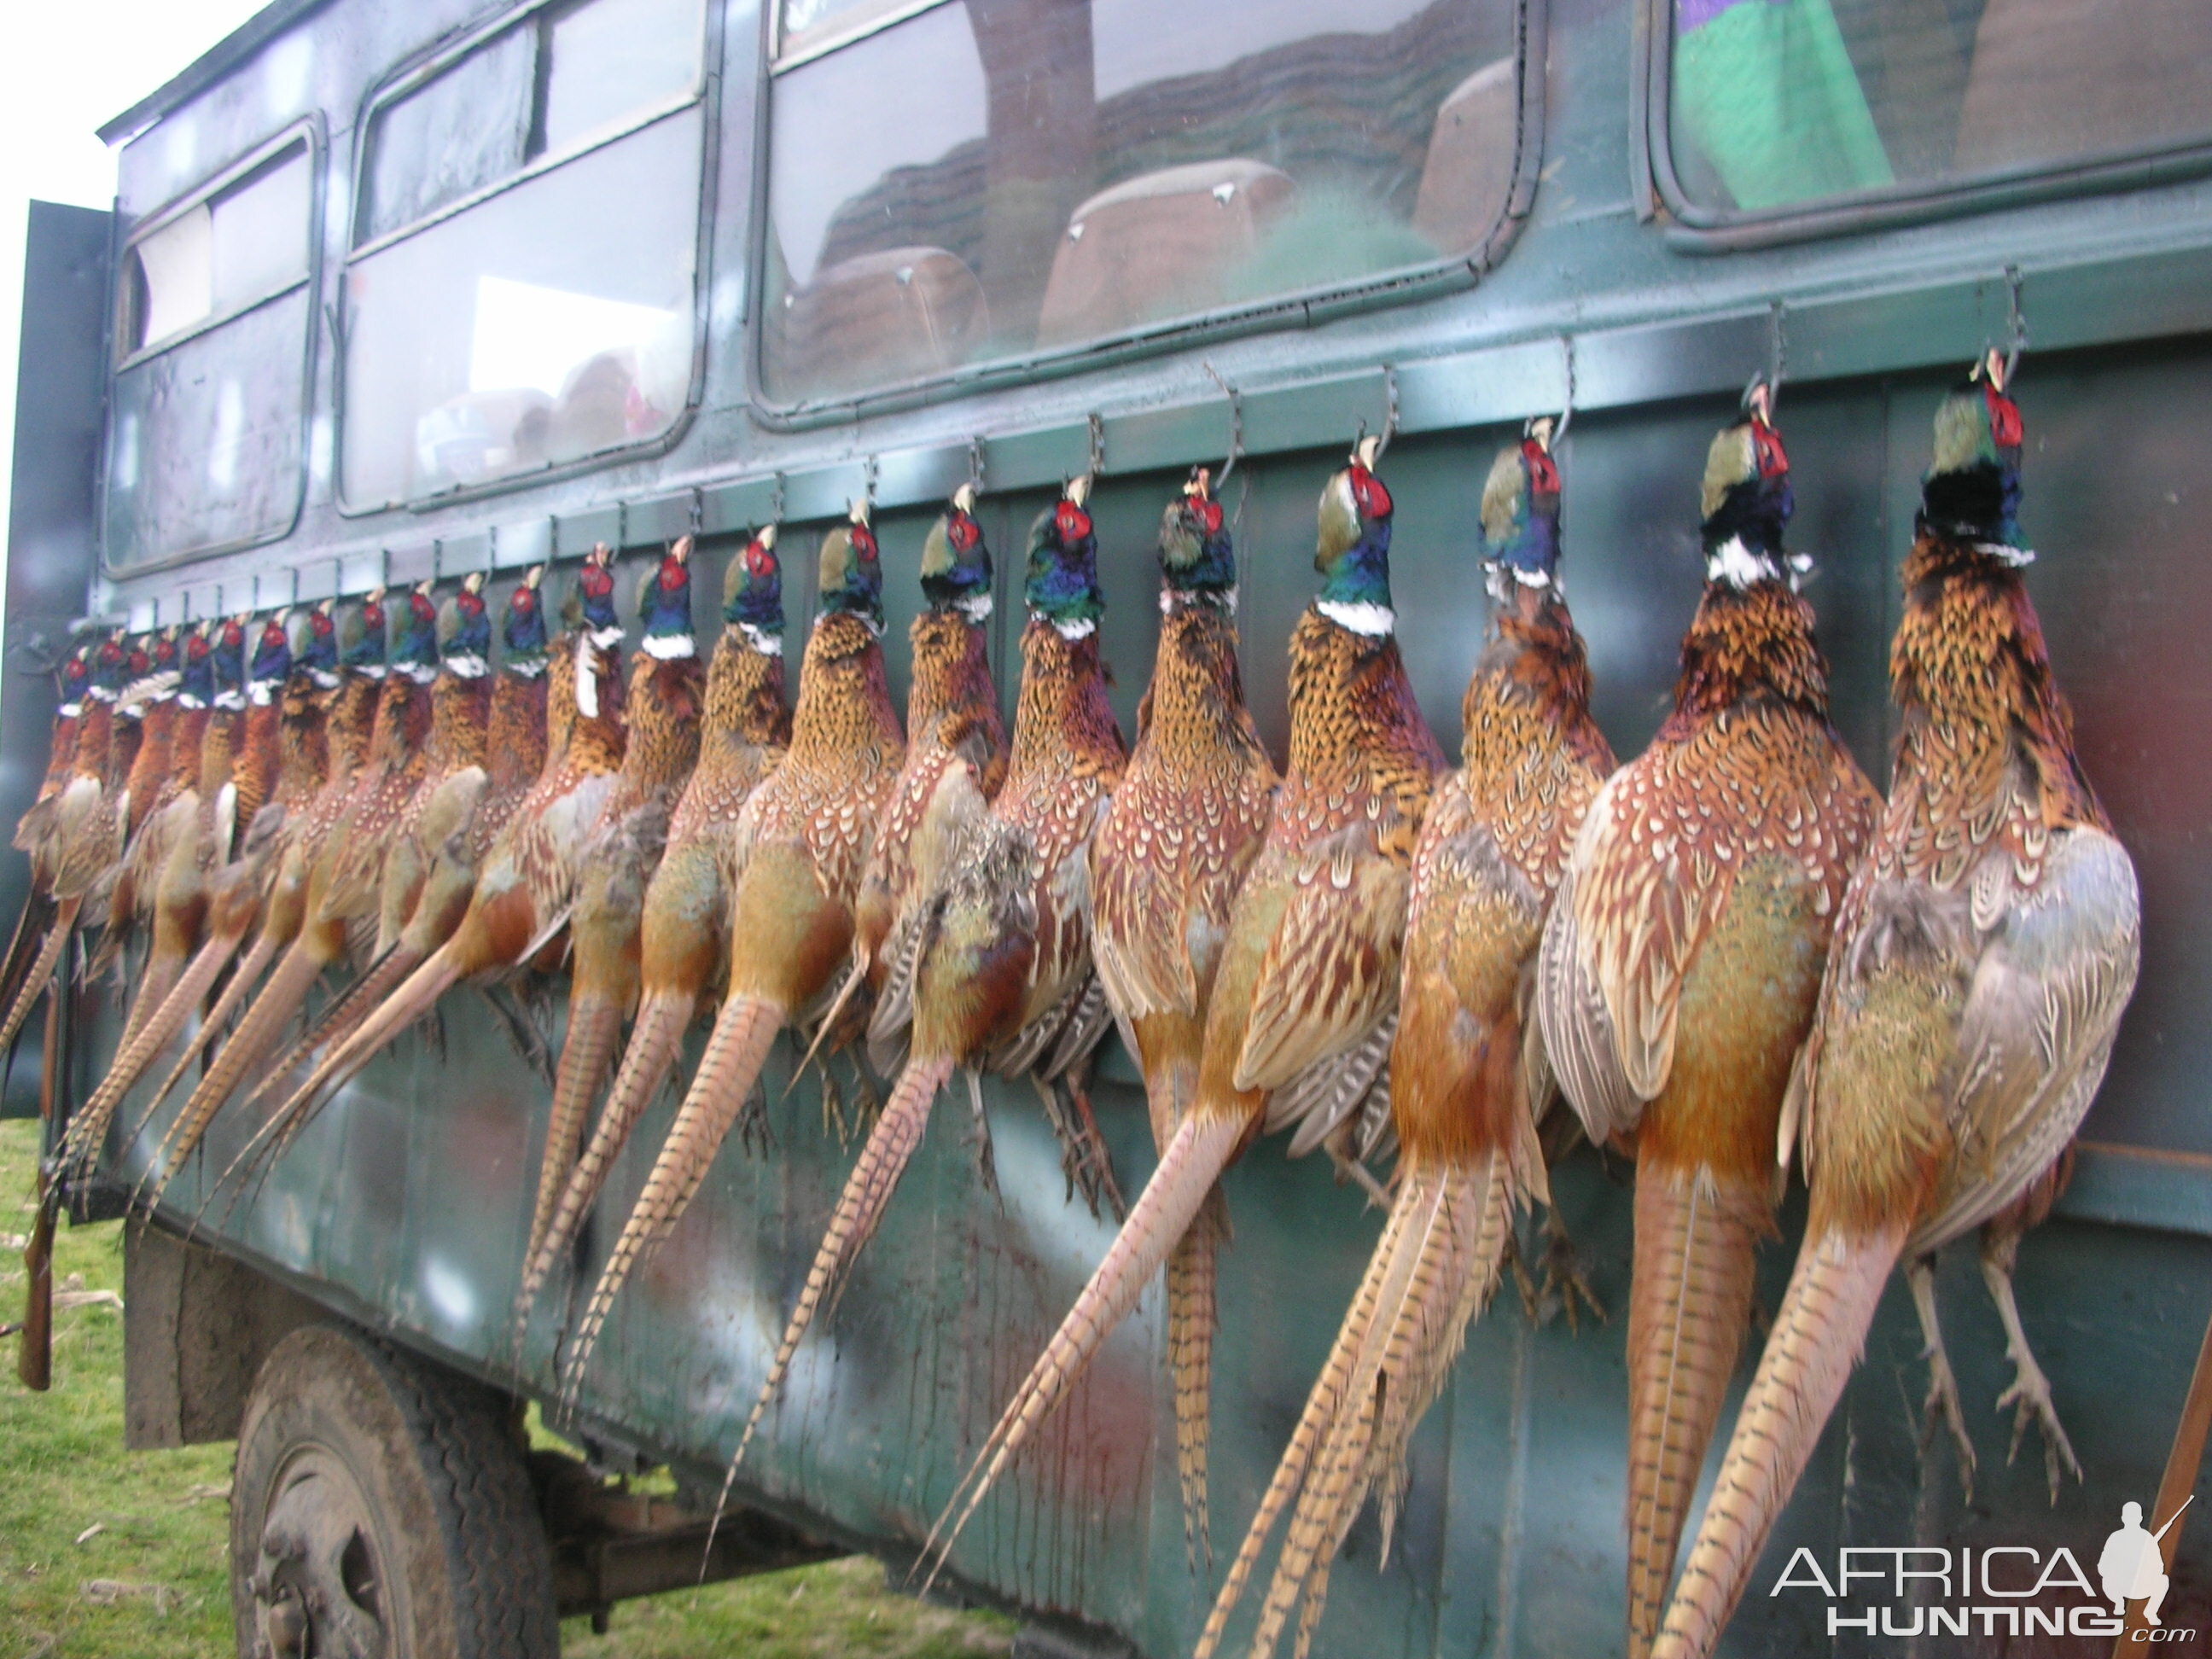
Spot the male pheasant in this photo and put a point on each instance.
(1466, 1087)
(1679, 964)
(667, 687)
(954, 766)
(682, 941)
(1985, 953)
(1001, 976)
(1307, 979)
(803, 835)
(1171, 854)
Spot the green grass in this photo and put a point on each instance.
(152, 1582)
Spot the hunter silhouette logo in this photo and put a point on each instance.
(2131, 1567)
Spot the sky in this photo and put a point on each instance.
(64, 69)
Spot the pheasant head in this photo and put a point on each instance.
(852, 572)
(1521, 516)
(465, 631)
(195, 679)
(1353, 551)
(319, 659)
(1198, 560)
(956, 563)
(272, 659)
(228, 650)
(1062, 584)
(365, 636)
(75, 678)
(1971, 493)
(664, 606)
(416, 655)
(1746, 503)
(592, 600)
(752, 594)
(522, 631)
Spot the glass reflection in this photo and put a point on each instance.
(1037, 173)
(548, 323)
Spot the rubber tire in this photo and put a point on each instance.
(439, 1465)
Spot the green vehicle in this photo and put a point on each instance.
(395, 292)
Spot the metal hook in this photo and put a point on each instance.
(871, 471)
(1389, 418)
(2017, 322)
(1567, 410)
(1777, 357)
(976, 463)
(775, 498)
(1097, 433)
(1236, 423)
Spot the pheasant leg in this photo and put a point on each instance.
(2030, 1394)
(1941, 1409)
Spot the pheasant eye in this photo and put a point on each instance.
(864, 541)
(1072, 521)
(960, 529)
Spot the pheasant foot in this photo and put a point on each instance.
(2029, 1396)
(1941, 1409)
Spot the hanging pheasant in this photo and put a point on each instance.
(1001, 976)
(682, 939)
(803, 835)
(35, 830)
(84, 836)
(1173, 850)
(1679, 965)
(527, 881)
(954, 765)
(372, 734)
(667, 687)
(1985, 953)
(1307, 983)
(1465, 1089)
(157, 671)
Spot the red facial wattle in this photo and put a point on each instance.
(1766, 446)
(962, 532)
(2006, 430)
(1367, 490)
(1071, 522)
(1543, 476)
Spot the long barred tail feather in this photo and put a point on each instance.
(1816, 1340)
(654, 1040)
(1696, 1240)
(1190, 1165)
(744, 1034)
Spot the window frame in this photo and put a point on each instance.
(311, 127)
(1700, 229)
(416, 71)
(307, 128)
(1297, 309)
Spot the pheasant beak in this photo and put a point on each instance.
(1078, 490)
(682, 551)
(767, 537)
(965, 498)
(1367, 452)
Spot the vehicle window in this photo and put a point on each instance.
(548, 320)
(1779, 102)
(982, 178)
(246, 242)
(465, 129)
(205, 411)
(502, 340)
(556, 80)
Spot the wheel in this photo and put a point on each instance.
(382, 1509)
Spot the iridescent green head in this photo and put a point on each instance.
(1062, 583)
(852, 572)
(1972, 491)
(752, 591)
(955, 562)
(1353, 551)
(1198, 556)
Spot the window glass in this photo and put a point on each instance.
(1778, 103)
(608, 60)
(502, 340)
(204, 438)
(245, 243)
(465, 129)
(990, 177)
